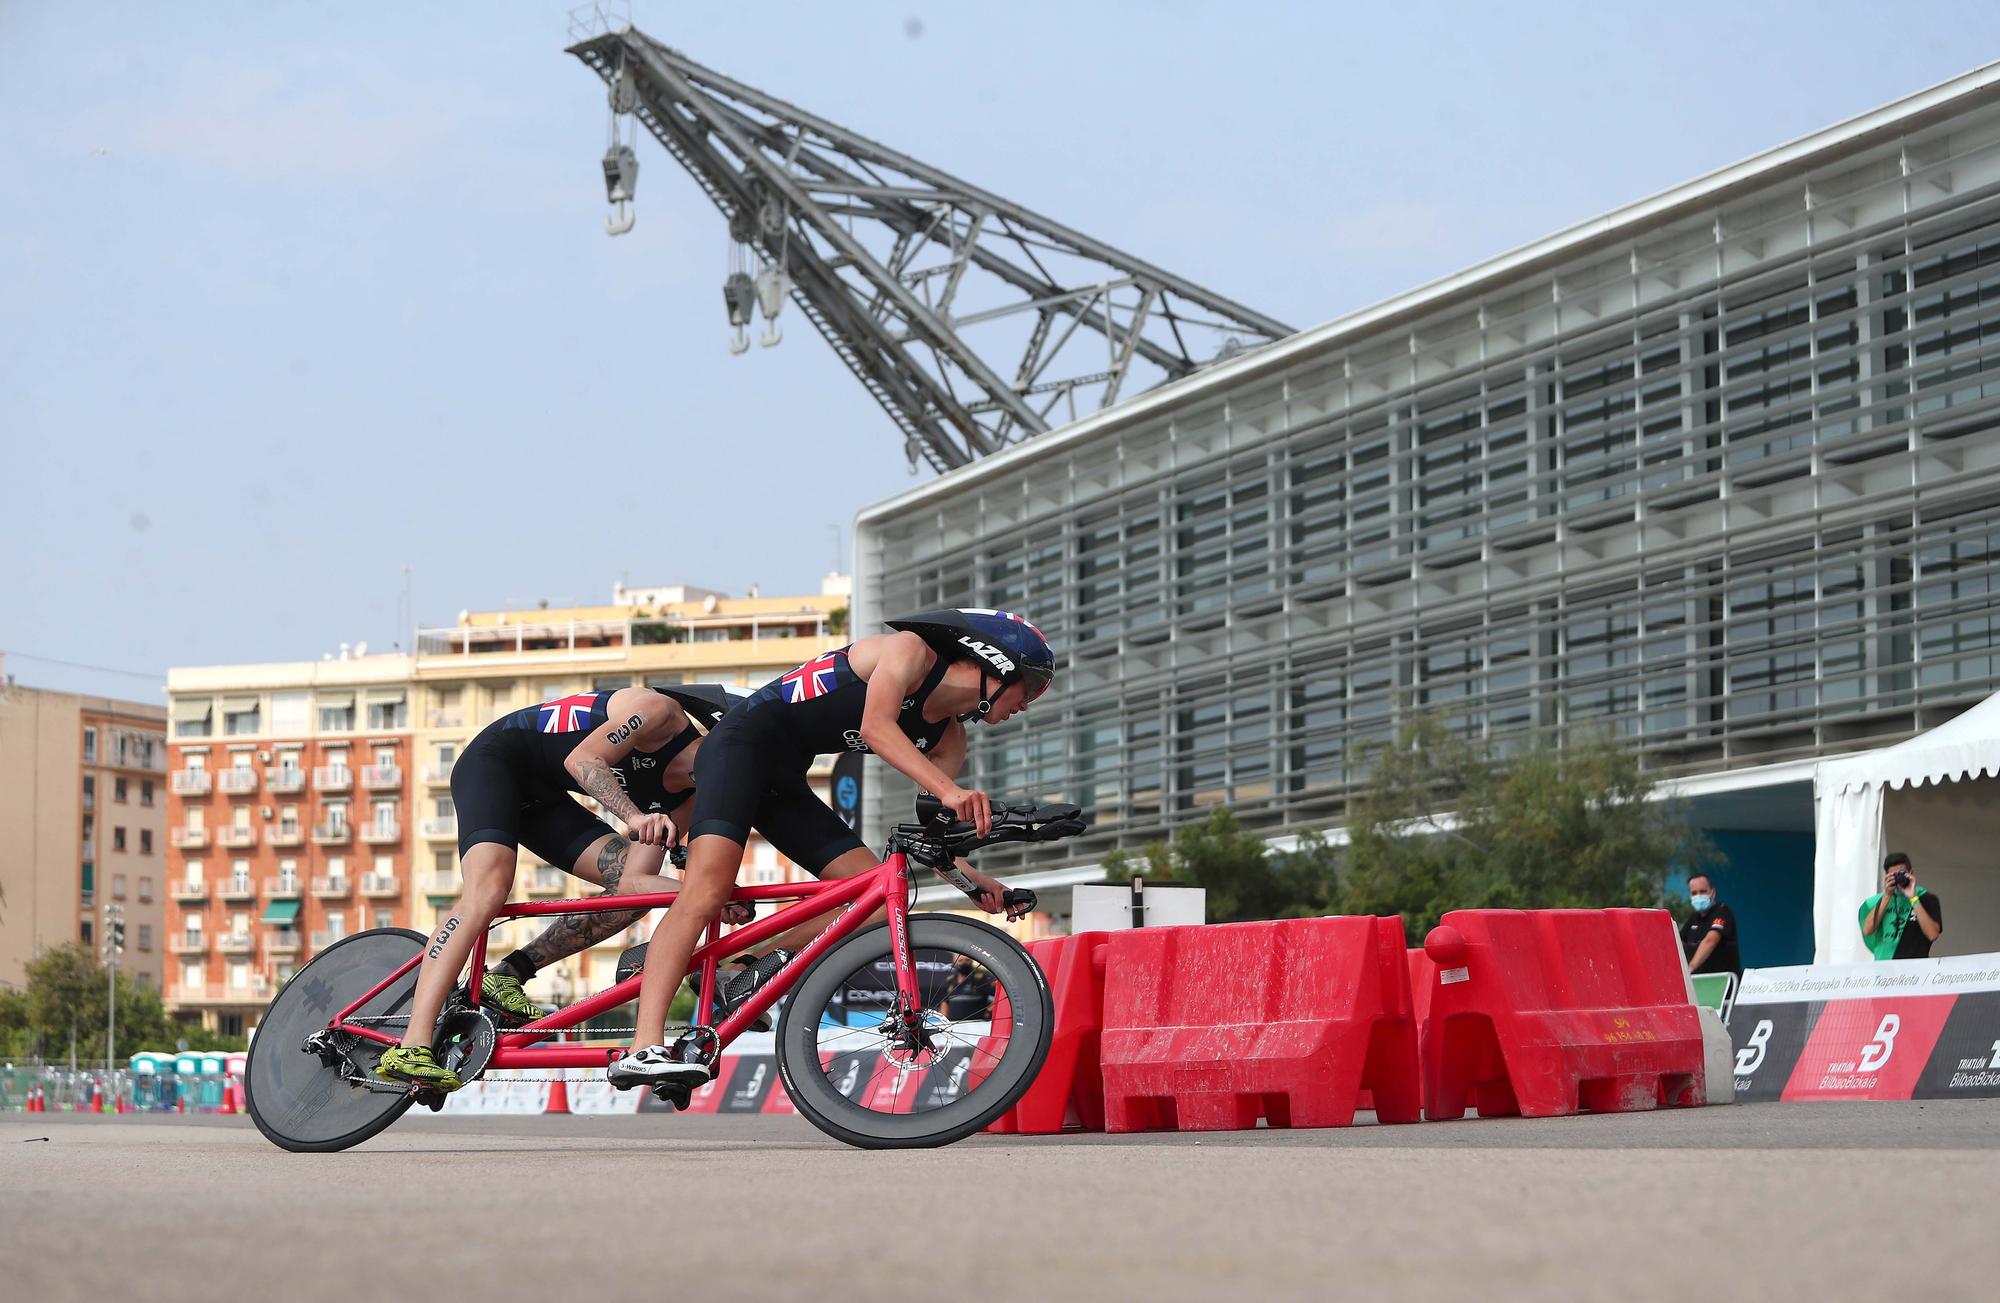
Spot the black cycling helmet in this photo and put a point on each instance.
(998, 642)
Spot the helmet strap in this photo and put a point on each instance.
(985, 700)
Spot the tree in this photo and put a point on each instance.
(1243, 878)
(836, 622)
(65, 994)
(648, 628)
(1569, 826)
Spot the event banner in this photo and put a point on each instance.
(1900, 1029)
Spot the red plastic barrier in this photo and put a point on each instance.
(1069, 1090)
(1547, 1012)
(1211, 1028)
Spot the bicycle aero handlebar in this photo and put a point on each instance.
(938, 839)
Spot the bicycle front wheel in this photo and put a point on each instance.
(987, 1019)
(299, 1099)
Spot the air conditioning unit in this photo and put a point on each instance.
(264, 757)
(269, 813)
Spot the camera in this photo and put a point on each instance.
(1901, 880)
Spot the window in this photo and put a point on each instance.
(384, 865)
(239, 880)
(446, 810)
(385, 757)
(117, 886)
(193, 718)
(336, 866)
(145, 889)
(385, 708)
(447, 710)
(196, 762)
(384, 918)
(191, 977)
(194, 880)
(118, 792)
(145, 935)
(239, 976)
(239, 924)
(145, 791)
(145, 841)
(90, 746)
(117, 839)
(336, 925)
(337, 717)
(241, 719)
(447, 753)
(229, 1024)
(90, 791)
(291, 714)
(443, 862)
(86, 934)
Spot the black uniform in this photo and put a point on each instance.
(751, 772)
(510, 785)
(1726, 957)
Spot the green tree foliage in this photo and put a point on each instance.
(1549, 828)
(1447, 823)
(65, 992)
(1243, 879)
(836, 622)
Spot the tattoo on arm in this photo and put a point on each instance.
(600, 782)
(576, 932)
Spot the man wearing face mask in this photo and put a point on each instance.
(1708, 938)
(968, 992)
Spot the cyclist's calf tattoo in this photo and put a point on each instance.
(577, 932)
(444, 935)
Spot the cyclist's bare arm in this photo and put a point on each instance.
(949, 755)
(900, 662)
(636, 718)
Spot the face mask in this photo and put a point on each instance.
(1701, 903)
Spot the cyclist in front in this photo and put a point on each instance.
(906, 696)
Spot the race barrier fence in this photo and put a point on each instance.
(1895, 1029)
(1543, 1013)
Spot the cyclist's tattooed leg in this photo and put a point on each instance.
(578, 932)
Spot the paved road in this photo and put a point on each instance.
(1767, 1202)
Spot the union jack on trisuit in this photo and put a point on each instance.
(983, 610)
(815, 678)
(566, 714)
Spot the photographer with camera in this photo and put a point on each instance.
(1902, 920)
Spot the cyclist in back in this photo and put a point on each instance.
(631, 749)
(906, 696)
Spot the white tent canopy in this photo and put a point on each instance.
(1931, 796)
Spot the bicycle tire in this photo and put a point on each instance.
(827, 1107)
(300, 1102)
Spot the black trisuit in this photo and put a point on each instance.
(510, 787)
(751, 772)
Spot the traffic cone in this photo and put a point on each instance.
(558, 1097)
(96, 1096)
(229, 1098)
(34, 1099)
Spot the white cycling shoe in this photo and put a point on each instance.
(656, 1066)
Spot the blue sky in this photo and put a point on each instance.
(299, 294)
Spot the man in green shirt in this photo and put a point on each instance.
(1901, 920)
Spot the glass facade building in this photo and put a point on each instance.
(1719, 472)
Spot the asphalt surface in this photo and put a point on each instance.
(1775, 1201)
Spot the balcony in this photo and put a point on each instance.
(333, 888)
(441, 884)
(186, 993)
(382, 778)
(438, 775)
(187, 839)
(236, 782)
(232, 943)
(236, 836)
(547, 880)
(260, 985)
(236, 889)
(283, 889)
(284, 941)
(445, 825)
(192, 782)
(380, 884)
(285, 834)
(188, 943)
(321, 940)
(333, 778)
(332, 834)
(285, 779)
(382, 832)
(188, 890)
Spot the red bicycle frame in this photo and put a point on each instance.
(858, 897)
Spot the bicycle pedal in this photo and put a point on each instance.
(678, 1098)
(430, 1099)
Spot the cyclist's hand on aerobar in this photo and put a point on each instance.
(652, 830)
(992, 891)
(975, 808)
(738, 912)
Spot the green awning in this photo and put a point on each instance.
(283, 912)
(439, 902)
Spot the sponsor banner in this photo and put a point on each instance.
(1902, 1029)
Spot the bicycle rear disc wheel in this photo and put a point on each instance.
(299, 1101)
(985, 1036)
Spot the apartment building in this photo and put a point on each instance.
(313, 799)
(83, 800)
(288, 805)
